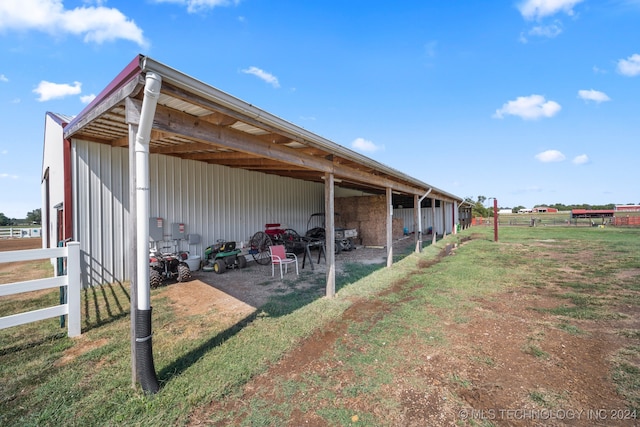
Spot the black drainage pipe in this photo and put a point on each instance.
(144, 352)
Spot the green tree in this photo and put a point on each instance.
(35, 216)
(4, 220)
(478, 207)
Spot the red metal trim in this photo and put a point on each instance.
(68, 200)
(132, 69)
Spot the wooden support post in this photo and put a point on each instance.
(329, 219)
(433, 226)
(417, 223)
(454, 209)
(389, 227)
(443, 206)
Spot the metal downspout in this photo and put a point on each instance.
(144, 349)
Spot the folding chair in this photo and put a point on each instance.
(280, 257)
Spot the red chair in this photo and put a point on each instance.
(280, 257)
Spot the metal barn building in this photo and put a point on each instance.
(216, 164)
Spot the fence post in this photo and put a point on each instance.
(73, 289)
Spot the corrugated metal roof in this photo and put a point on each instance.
(199, 122)
(60, 118)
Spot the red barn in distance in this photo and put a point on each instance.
(627, 208)
(544, 209)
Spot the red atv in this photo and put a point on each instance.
(164, 266)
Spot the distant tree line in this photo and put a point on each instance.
(33, 217)
(479, 208)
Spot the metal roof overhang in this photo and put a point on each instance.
(199, 122)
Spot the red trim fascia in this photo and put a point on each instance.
(123, 77)
(68, 200)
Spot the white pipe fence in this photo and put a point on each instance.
(71, 280)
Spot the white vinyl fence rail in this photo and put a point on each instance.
(71, 280)
(18, 232)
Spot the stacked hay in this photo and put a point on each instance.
(367, 214)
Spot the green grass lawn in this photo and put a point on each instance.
(50, 379)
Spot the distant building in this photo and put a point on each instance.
(627, 208)
(524, 211)
(592, 213)
(544, 209)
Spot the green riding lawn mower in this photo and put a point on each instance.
(222, 256)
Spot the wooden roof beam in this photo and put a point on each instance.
(181, 148)
(275, 138)
(219, 119)
(179, 93)
(186, 125)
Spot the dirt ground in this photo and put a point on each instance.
(8, 270)
(498, 381)
(254, 284)
(237, 293)
(20, 244)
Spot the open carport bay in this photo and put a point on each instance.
(247, 289)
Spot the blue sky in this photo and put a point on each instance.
(531, 102)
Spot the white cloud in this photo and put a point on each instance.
(536, 9)
(97, 24)
(549, 31)
(86, 99)
(195, 6)
(593, 95)
(6, 175)
(598, 70)
(49, 91)
(263, 75)
(550, 156)
(3, 78)
(529, 108)
(4, 152)
(581, 159)
(630, 66)
(365, 145)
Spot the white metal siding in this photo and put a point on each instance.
(213, 201)
(448, 217)
(101, 201)
(53, 159)
(427, 218)
(442, 221)
(218, 202)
